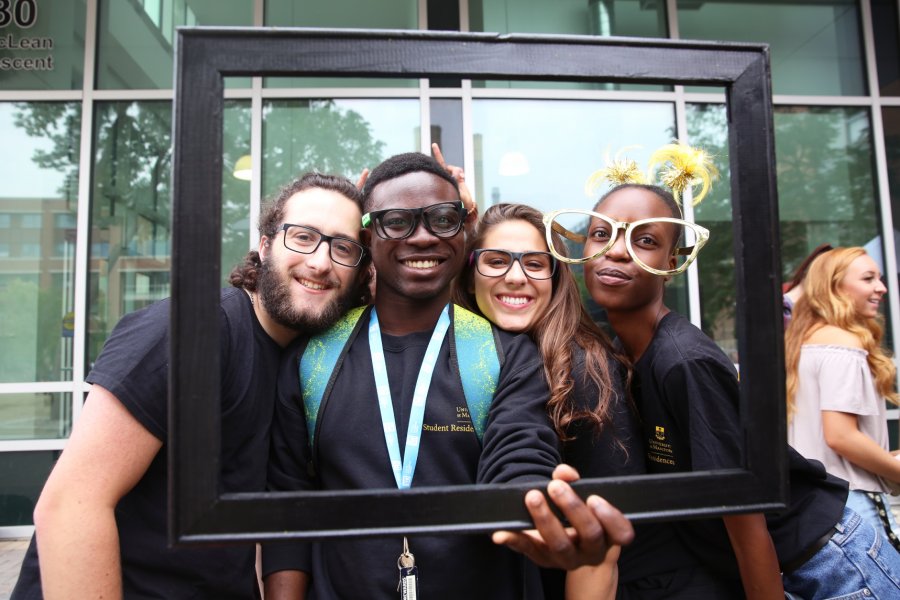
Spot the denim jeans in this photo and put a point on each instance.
(860, 502)
(856, 563)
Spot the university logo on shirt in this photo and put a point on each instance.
(660, 433)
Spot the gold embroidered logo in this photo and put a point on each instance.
(660, 433)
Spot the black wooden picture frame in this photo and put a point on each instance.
(199, 513)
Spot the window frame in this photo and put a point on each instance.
(198, 513)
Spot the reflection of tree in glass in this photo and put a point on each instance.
(709, 130)
(825, 179)
(308, 135)
(825, 193)
(19, 358)
(130, 212)
(132, 160)
(60, 124)
(235, 192)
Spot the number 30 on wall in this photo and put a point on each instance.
(22, 13)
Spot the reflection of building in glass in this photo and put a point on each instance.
(37, 259)
(85, 235)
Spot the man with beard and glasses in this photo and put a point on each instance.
(100, 523)
(400, 349)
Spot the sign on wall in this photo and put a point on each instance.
(29, 53)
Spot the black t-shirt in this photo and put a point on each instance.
(815, 504)
(519, 445)
(614, 451)
(134, 367)
(687, 394)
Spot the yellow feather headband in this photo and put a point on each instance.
(677, 165)
(618, 171)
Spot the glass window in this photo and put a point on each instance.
(547, 164)
(38, 176)
(64, 220)
(5, 221)
(130, 208)
(38, 416)
(891, 119)
(29, 250)
(371, 14)
(708, 129)
(153, 9)
(826, 193)
(30, 221)
(136, 39)
(885, 25)
(334, 136)
(447, 128)
(632, 18)
(235, 188)
(826, 183)
(42, 44)
(23, 475)
(129, 212)
(816, 48)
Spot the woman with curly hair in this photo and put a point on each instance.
(838, 377)
(515, 282)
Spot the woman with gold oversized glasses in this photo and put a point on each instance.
(687, 398)
(596, 233)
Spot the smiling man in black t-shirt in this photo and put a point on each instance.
(100, 523)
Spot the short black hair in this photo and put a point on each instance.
(403, 164)
(661, 192)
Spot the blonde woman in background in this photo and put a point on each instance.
(838, 377)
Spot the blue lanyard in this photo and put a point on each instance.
(403, 473)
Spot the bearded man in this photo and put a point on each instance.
(100, 522)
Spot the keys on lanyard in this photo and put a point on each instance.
(409, 574)
(403, 470)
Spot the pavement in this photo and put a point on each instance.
(11, 553)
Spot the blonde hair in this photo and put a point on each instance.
(823, 303)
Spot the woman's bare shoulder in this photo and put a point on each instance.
(833, 336)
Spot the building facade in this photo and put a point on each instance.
(85, 155)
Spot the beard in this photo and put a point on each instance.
(275, 293)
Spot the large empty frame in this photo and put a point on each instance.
(199, 513)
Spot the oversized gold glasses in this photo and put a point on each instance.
(592, 235)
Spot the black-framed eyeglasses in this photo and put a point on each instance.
(306, 240)
(443, 220)
(492, 262)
